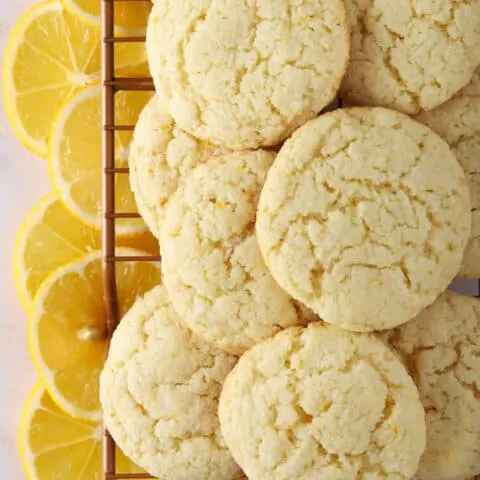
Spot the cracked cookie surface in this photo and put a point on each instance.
(410, 55)
(159, 391)
(212, 265)
(323, 403)
(441, 348)
(246, 74)
(458, 122)
(364, 217)
(161, 156)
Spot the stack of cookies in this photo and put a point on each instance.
(304, 329)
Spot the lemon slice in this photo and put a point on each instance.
(129, 15)
(75, 156)
(51, 54)
(55, 445)
(67, 328)
(51, 237)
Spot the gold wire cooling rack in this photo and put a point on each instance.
(111, 85)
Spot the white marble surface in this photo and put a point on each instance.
(23, 181)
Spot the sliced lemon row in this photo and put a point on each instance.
(67, 327)
(54, 445)
(51, 237)
(50, 55)
(129, 15)
(75, 158)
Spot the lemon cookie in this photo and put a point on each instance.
(458, 122)
(212, 265)
(323, 403)
(246, 74)
(410, 55)
(364, 217)
(441, 348)
(159, 390)
(161, 154)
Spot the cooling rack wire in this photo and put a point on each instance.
(111, 85)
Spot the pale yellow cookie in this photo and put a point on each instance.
(410, 55)
(458, 122)
(246, 74)
(212, 265)
(161, 155)
(159, 391)
(322, 403)
(364, 217)
(441, 348)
